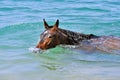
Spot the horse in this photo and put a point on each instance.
(54, 36)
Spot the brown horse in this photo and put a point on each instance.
(53, 36)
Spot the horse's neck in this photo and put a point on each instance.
(75, 38)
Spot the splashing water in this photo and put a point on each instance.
(34, 50)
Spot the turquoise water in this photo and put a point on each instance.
(21, 24)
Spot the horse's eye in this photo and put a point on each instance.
(49, 36)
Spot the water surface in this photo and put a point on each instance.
(21, 24)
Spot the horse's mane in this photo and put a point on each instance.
(75, 37)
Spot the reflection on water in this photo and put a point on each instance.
(61, 63)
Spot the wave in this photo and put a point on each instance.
(24, 27)
(23, 36)
(91, 9)
(19, 36)
(13, 8)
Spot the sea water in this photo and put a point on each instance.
(21, 22)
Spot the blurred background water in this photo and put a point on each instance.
(21, 24)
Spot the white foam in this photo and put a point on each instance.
(69, 46)
(35, 50)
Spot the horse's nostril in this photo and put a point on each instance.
(38, 46)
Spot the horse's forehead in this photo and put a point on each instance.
(45, 32)
(48, 32)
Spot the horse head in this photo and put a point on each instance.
(51, 37)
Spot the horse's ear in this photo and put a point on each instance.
(45, 24)
(56, 25)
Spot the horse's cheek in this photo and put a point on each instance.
(45, 44)
(57, 41)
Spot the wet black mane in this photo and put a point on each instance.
(75, 38)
